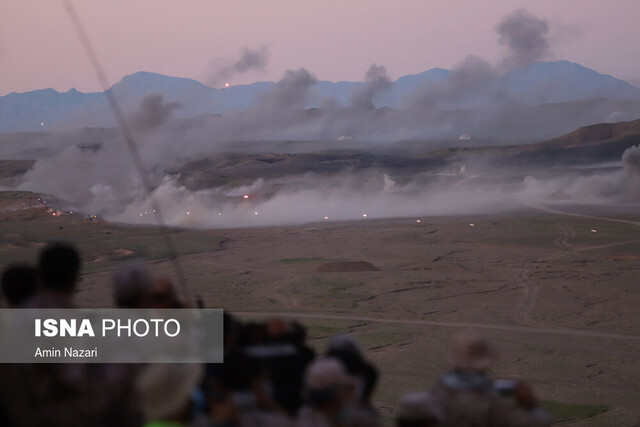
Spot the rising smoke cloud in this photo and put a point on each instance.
(470, 79)
(525, 37)
(631, 173)
(377, 81)
(472, 82)
(250, 59)
(290, 92)
(605, 188)
(153, 112)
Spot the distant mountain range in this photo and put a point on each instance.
(531, 85)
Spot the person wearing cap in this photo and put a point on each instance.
(468, 397)
(328, 393)
(166, 393)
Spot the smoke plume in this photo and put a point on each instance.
(469, 81)
(250, 59)
(525, 37)
(622, 186)
(153, 112)
(290, 92)
(472, 84)
(631, 175)
(377, 81)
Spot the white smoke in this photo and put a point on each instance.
(206, 209)
(389, 184)
(347, 195)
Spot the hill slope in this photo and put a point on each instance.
(588, 145)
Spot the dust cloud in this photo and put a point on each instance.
(102, 180)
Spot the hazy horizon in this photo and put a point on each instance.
(336, 41)
(275, 80)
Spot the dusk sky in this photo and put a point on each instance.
(334, 39)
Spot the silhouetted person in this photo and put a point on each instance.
(328, 393)
(166, 393)
(67, 394)
(162, 294)
(58, 266)
(347, 350)
(131, 286)
(285, 357)
(239, 394)
(419, 409)
(468, 397)
(19, 283)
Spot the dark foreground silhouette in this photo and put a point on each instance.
(270, 376)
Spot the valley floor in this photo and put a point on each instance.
(558, 294)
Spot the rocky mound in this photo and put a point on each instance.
(345, 266)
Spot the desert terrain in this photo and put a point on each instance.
(272, 168)
(554, 288)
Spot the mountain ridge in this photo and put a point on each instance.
(534, 84)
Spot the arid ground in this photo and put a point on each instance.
(557, 294)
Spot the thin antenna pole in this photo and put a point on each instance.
(131, 145)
